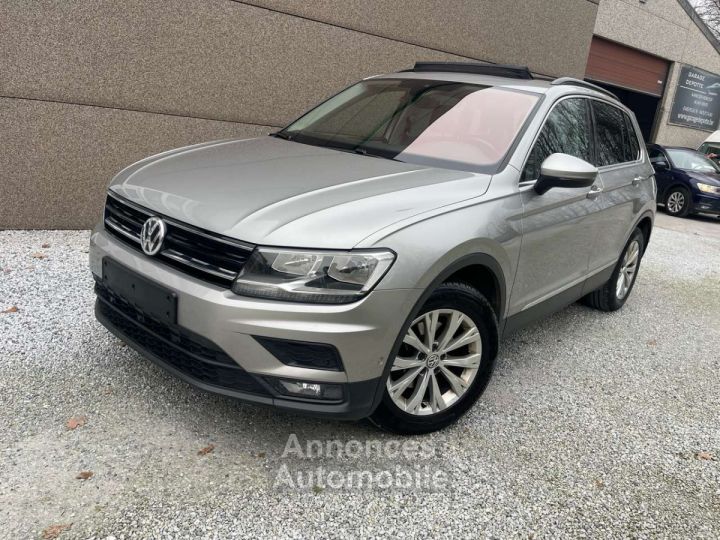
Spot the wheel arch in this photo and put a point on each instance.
(487, 266)
(645, 224)
(483, 274)
(676, 183)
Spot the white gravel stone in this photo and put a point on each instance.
(589, 428)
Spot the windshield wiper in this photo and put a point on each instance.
(364, 152)
(282, 135)
(359, 149)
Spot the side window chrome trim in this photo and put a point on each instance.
(622, 165)
(603, 168)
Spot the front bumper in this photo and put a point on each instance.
(363, 334)
(706, 204)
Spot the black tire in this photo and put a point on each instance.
(672, 209)
(471, 303)
(606, 298)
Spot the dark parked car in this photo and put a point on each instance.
(687, 181)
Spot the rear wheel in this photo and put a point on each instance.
(678, 201)
(613, 294)
(444, 363)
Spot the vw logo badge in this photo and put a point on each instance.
(152, 235)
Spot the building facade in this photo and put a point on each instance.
(88, 88)
(661, 60)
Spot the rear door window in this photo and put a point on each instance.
(616, 143)
(567, 130)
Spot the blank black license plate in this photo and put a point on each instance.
(149, 298)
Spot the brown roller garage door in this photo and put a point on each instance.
(622, 66)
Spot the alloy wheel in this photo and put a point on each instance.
(675, 202)
(437, 362)
(628, 268)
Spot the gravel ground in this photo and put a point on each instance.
(594, 425)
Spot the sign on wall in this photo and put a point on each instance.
(697, 99)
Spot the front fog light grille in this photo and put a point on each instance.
(302, 354)
(305, 389)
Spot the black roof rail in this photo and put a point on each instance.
(478, 68)
(579, 82)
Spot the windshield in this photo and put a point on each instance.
(438, 123)
(691, 161)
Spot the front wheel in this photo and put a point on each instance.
(443, 364)
(678, 202)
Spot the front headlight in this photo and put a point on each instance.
(327, 277)
(707, 188)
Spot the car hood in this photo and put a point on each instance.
(276, 192)
(708, 178)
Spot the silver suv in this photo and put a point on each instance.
(366, 260)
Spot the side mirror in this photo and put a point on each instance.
(563, 170)
(661, 165)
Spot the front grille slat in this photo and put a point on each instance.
(135, 220)
(198, 265)
(202, 254)
(129, 216)
(186, 246)
(121, 228)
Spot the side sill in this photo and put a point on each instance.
(557, 302)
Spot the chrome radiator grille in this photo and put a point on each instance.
(208, 256)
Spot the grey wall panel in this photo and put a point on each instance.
(552, 37)
(58, 158)
(79, 79)
(214, 59)
(635, 25)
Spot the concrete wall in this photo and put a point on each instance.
(698, 52)
(663, 28)
(89, 87)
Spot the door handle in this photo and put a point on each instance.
(636, 181)
(594, 192)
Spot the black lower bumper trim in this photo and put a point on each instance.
(231, 382)
(217, 375)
